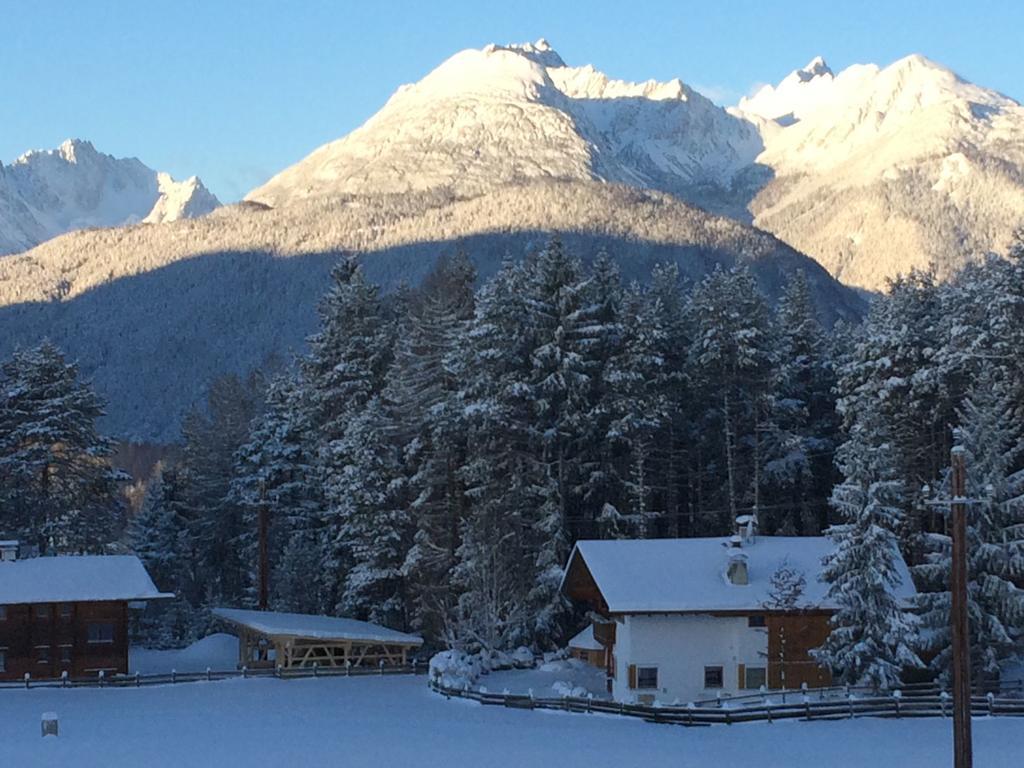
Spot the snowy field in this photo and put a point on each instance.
(218, 652)
(396, 721)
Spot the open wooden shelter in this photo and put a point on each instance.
(302, 640)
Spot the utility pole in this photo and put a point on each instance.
(264, 559)
(962, 749)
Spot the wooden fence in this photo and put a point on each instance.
(170, 678)
(806, 704)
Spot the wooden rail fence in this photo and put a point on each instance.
(170, 678)
(806, 704)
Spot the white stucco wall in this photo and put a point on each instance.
(680, 647)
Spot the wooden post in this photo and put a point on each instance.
(264, 565)
(962, 750)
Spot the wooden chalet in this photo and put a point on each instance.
(693, 619)
(289, 640)
(67, 614)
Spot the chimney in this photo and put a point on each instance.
(8, 551)
(746, 529)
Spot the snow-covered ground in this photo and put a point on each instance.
(218, 652)
(396, 721)
(554, 678)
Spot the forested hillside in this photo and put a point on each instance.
(429, 462)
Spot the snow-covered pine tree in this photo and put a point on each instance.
(213, 434)
(731, 357)
(600, 342)
(993, 440)
(158, 535)
(891, 375)
(275, 468)
(57, 487)
(639, 401)
(802, 429)
(560, 386)
(425, 382)
(504, 479)
(367, 515)
(346, 367)
(873, 636)
(350, 354)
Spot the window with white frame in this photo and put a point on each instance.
(646, 677)
(714, 677)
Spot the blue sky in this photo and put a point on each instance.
(237, 91)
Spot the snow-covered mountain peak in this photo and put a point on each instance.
(815, 68)
(45, 193)
(506, 114)
(541, 52)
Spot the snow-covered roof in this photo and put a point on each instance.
(305, 625)
(686, 575)
(585, 641)
(76, 578)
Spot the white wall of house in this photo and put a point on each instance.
(680, 647)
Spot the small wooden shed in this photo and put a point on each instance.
(302, 640)
(584, 646)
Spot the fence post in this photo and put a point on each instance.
(207, 674)
(943, 698)
(245, 671)
(316, 669)
(849, 699)
(138, 681)
(896, 696)
(102, 676)
(27, 678)
(348, 667)
(991, 703)
(174, 676)
(380, 664)
(64, 679)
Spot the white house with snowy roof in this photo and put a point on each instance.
(694, 619)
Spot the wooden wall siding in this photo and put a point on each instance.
(581, 587)
(604, 633)
(23, 632)
(802, 632)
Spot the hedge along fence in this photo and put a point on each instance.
(138, 680)
(804, 704)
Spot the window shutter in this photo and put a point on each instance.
(741, 677)
(632, 676)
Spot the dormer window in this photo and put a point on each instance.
(737, 570)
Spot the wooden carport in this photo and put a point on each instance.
(304, 640)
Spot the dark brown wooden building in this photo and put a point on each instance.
(67, 614)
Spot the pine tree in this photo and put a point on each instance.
(425, 382)
(59, 489)
(367, 515)
(802, 429)
(560, 385)
(158, 535)
(873, 635)
(732, 357)
(993, 441)
(213, 435)
(503, 476)
(274, 469)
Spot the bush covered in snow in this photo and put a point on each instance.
(455, 669)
